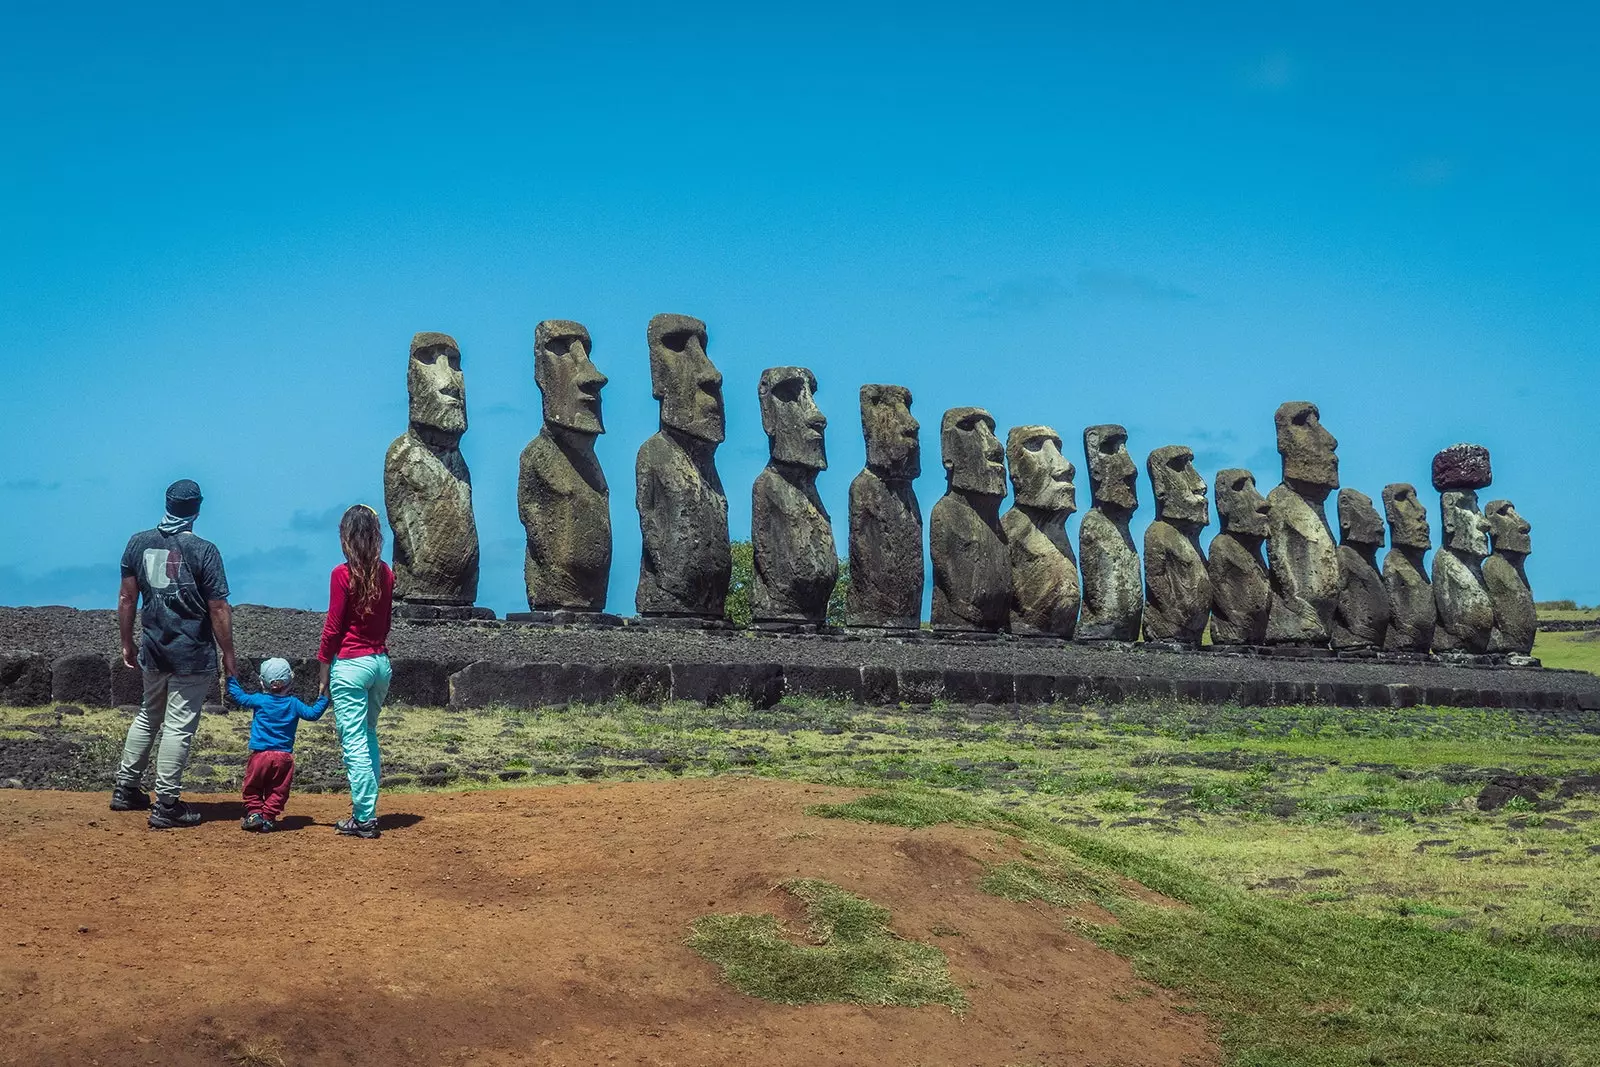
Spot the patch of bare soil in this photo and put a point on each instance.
(537, 926)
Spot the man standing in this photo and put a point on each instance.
(184, 619)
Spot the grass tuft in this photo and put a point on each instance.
(853, 957)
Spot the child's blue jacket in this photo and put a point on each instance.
(277, 717)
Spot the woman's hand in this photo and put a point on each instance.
(322, 673)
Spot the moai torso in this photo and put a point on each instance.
(1177, 589)
(1412, 612)
(1516, 622)
(796, 565)
(1303, 564)
(1045, 593)
(1241, 593)
(1113, 592)
(427, 492)
(565, 507)
(1361, 615)
(1466, 611)
(971, 566)
(886, 560)
(686, 563)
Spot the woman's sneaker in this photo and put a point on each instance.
(172, 816)
(252, 822)
(351, 828)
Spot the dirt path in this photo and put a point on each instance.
(537, 926)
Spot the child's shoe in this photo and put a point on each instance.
(351, 828)
(252, 822)
(266, 826)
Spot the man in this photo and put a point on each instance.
(184, 619)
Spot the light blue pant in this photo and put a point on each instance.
(358, 687)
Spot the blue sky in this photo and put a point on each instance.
(223, 224)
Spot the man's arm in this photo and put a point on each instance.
(127, 604)
(222, 626)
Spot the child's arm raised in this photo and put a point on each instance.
(237, 694)
(314, 712)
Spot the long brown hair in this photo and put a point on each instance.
(362, 540)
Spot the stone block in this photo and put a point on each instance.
(833, 683)
(127, 683)
(422, 683)
(24, 679)
(81, 678)
(1032, 690)
(978, 687)
(709, 683)
(919, 685)
(880, 686)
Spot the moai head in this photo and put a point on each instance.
(1358, 519)
(1408, 518)
(974, 459)
(1509, 531)
(894, 449)
(569, 383)
(683, 379)
(1465, 529)
(438, 390)
(1240, 505)
(1306, 447)
(1179, 489)
(1113, 479)
(790, 415)
(1041, 476)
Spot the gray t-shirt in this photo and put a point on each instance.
(178, 574)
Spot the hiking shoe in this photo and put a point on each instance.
(351, 828)
(252, 822)
(266, 826)
(164, 816)
(129, 798)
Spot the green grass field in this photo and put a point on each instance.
(1348, 902)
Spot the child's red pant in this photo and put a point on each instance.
(266, 783)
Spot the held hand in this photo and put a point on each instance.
(130, 658)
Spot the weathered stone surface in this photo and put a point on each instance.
(1113, 590)
(796, 564)
(24, 679)
(1466, 611)
(1045, 593)
(1412, 613)
(1302, 560)
(1504, 573)
(1361, 617)
(971, 565)
(427, 489)
(886, 561)
(685, 565)
(1176, 586)
(1461, 467)
(562, 496)
(1241, 592)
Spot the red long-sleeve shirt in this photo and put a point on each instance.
(349, 633)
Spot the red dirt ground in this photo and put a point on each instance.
(530, 926)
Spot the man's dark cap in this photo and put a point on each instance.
(183, 498)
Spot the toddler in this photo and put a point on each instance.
(271, 768)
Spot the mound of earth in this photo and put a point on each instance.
(517, 927)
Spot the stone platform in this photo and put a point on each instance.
(69, 656)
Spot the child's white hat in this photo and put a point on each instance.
(276, 670)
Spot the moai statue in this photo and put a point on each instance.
(971, 567)
(1113, 592)
(1302, 559)
(1241, 592)
(427, 489)
(795, 562)
(562, 495)
(1412, 614)
(886, 567)
(1466, 611)
(1044, 574)
(686, 564)
(1515, 620)
(1176, 586)
(1361, 617)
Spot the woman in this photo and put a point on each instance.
(355, 659)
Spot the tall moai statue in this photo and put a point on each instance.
(1302, 560)
(886, 561)
(686, 563)
(1466, 611)
(1361, 616)
(1412, 612)
(796, 564)
(1516, 621)
(427, 489)
(562, 496)
(1045, 592)
(1113, 591)
(1241, 591)
(1176, 586)
(971, 567)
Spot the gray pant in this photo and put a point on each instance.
(170, 715)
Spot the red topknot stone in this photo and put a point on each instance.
(1461, 467)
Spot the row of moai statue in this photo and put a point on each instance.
(992, 573)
